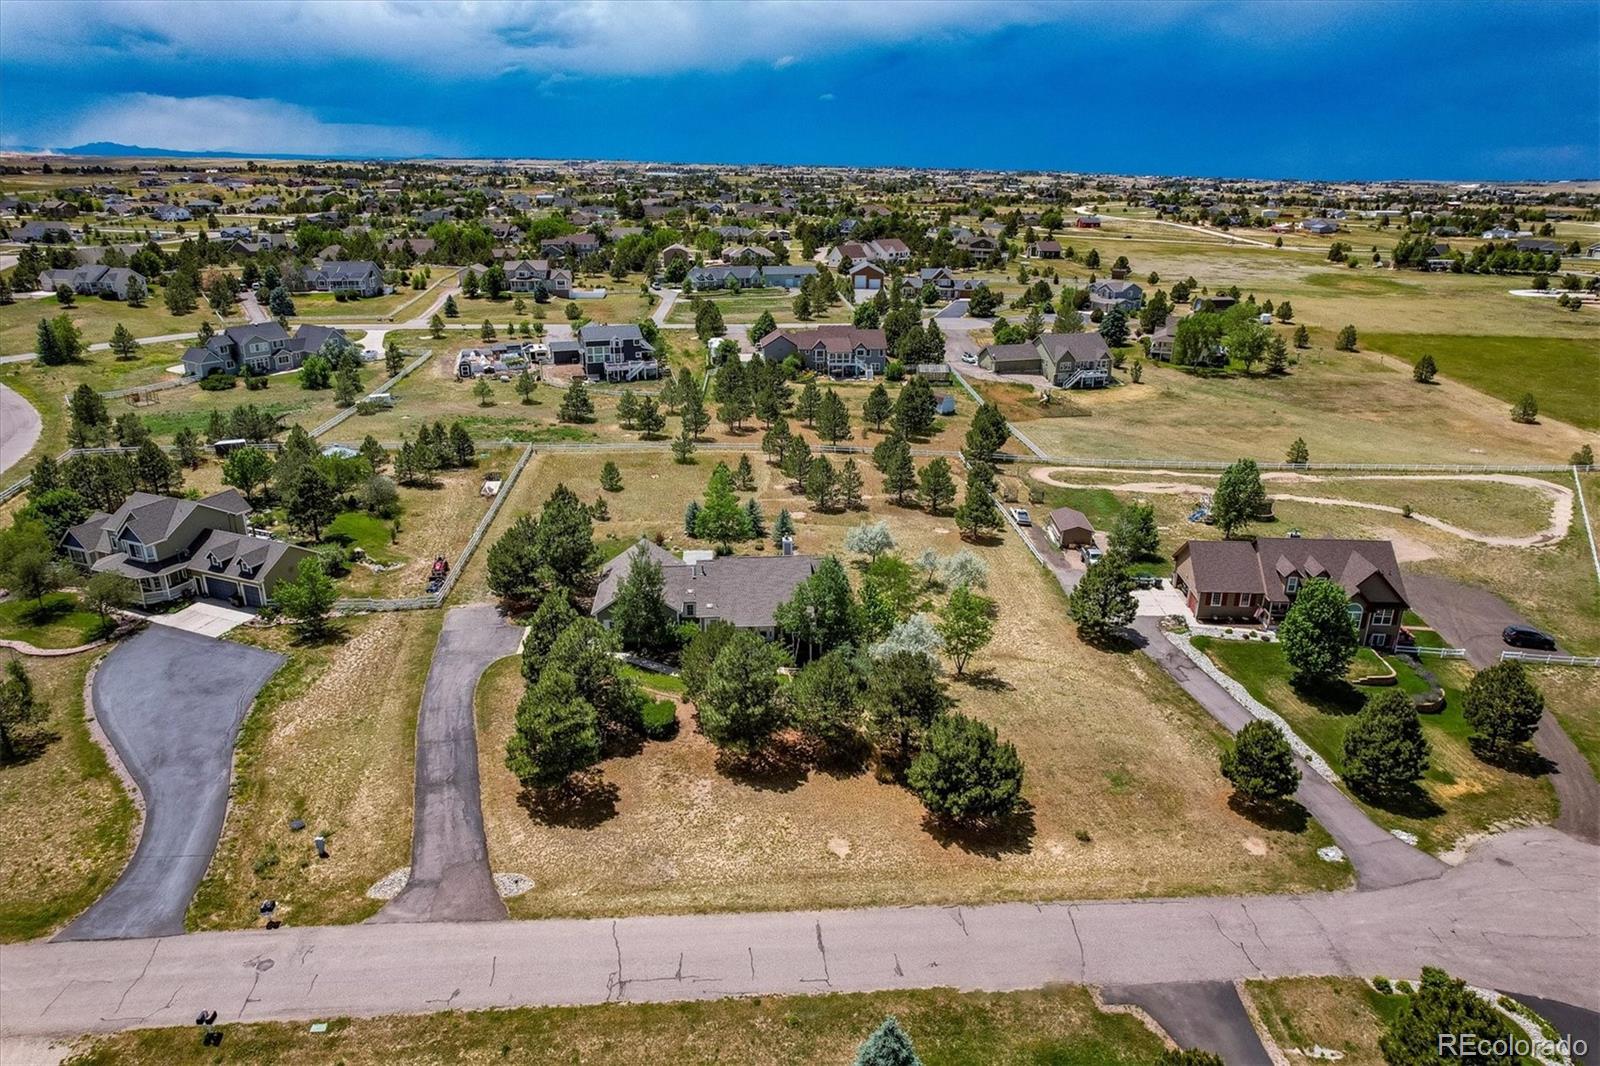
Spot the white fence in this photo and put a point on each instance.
(1550, 658)
(339, 418)
(1437, 653)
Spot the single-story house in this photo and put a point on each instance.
(172, 548)
(42, 233)
(1320, 226)
(1232, 582)
(95, 280)
(1108, 293)
(360, 276)
(1045, 250)
(1065, 360)
(744, 591)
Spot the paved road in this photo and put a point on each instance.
(171, 702)
(1473, 618)
(1198, 1014)
(253, 311)
(664, 308)
(1380, 859)
(1519, 913)
(450, 876)
(19, 427)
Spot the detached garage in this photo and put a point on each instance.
(1068, 528)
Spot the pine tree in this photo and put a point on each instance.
(822, 483)
(937, 487)
(833, 419)
(887, 1046)
(850, 484)
(782, 526)
(610, 477)
(900, 472)
(878, 407)
(977, 514)
(576, 405)
(744, 477)
(809, 403)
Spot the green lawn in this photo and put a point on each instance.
(1056, 1026)
(365, 531)
(746, 305)
(1460, 794)
(95, 319)
(1560, 372)
(669, 683)
(59, 623)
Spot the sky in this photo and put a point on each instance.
(1476, 90)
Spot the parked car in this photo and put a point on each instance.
(1021, 516)
(969, 357)
(1090, 554)
(1528, 637)
(1147, 581)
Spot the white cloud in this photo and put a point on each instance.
(470, 41)
(825, 96)
(232, 124)
(784, 61)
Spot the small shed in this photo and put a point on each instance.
(945, 404)
(1068, 528)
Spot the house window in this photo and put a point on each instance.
(1383, 616)
(1355, 612)
(688, 610)
(1216, 599)
(1291, 584)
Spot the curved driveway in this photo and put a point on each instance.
(171, 702)
(450, 877)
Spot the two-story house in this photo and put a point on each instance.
(946, 284)
(531, 275)
(838, 351)
(265, 348)
(1230, 582)
(575, 245)
(172, 548)
(885, 250)
(617, 353)
(1064, 360)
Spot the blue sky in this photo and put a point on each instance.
(1477, 90)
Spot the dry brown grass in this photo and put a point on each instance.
(1342, 1013)
(1572, 694)
(66, 826)
(1114, 752)
(330, 740)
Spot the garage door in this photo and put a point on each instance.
(218, 589)
(252, 595)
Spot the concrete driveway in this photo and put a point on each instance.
(450, 877)
(171, 702)
(1473, 618)
(19, 427)
(208, 618)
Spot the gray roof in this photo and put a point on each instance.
(1080, 347)
(599, 333)
(743, 590)
(1066, 519)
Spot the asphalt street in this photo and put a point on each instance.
(1380, 859)
(171, 702)
(450, 876)
(1518, 914)
(1473, 618)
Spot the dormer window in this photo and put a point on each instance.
(1291, 584)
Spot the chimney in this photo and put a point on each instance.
(787, 547)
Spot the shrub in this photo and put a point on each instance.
(218, 382)
(965, 771)
(1260, 765)
(1382, 984)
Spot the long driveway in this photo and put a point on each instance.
(1380, 859)
(1518, 914)
(1473, 618)
(450, 876)
(171, 703)
(19, 427)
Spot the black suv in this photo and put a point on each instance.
(1528, 637)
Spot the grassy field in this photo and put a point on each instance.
(66, 826)
(95, 319)
(622, 303)
(1572, 694)
(190, 407)
(1344, 1014)
(1560, 372)
(746, 306)
(1059, 1026)
(58, 623)
(1126, 797)
(331, 741)
(1460, 794)
(1347, 408)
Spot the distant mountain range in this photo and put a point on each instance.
(113, 148)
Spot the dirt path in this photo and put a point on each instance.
(1561, 498)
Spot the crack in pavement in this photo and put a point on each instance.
(143, 970)
(1236, 943)
(961, 920)
(822, 949)
(1083, 963)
